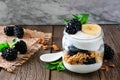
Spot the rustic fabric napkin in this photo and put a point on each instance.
(31, 37)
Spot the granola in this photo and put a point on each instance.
(80, 57)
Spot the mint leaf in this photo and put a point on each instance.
(83, 18)
(4, 46)
(75, 17)
(55, 63)
(58, 65)
(14, 41)
(66, 20)
(50, 66)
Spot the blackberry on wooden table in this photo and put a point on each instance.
(108, 52)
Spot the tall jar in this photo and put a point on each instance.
(82, 55)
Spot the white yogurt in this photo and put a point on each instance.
(83, 41)
(83, 68)
(81, 35)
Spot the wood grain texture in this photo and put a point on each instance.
(112, 38)
(34, 68)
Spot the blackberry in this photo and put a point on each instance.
(84, 51)
(89, 61)
(76, 50)
(71, 53)
(9, 54)
(108, 52)
(73, 26)
(18, 31)
(21, 46)
(8, 30)
(77, 24)
(72, 50)
(70, 30)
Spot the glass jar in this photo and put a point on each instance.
(83, 55)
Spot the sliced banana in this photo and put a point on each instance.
(91, 29)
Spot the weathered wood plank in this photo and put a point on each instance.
(34, 68)
(112, 33)
(67, 75)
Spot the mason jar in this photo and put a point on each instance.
(82, 55)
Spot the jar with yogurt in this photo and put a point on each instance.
(84, 50)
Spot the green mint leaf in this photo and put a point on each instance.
(66, 20)
(75, 17)
(83, 18)
(14, 41)
(50, 66)
(4, 46)
(55, 63)
(58, 65)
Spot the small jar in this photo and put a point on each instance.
(83, 55)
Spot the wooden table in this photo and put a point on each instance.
(34, 68)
